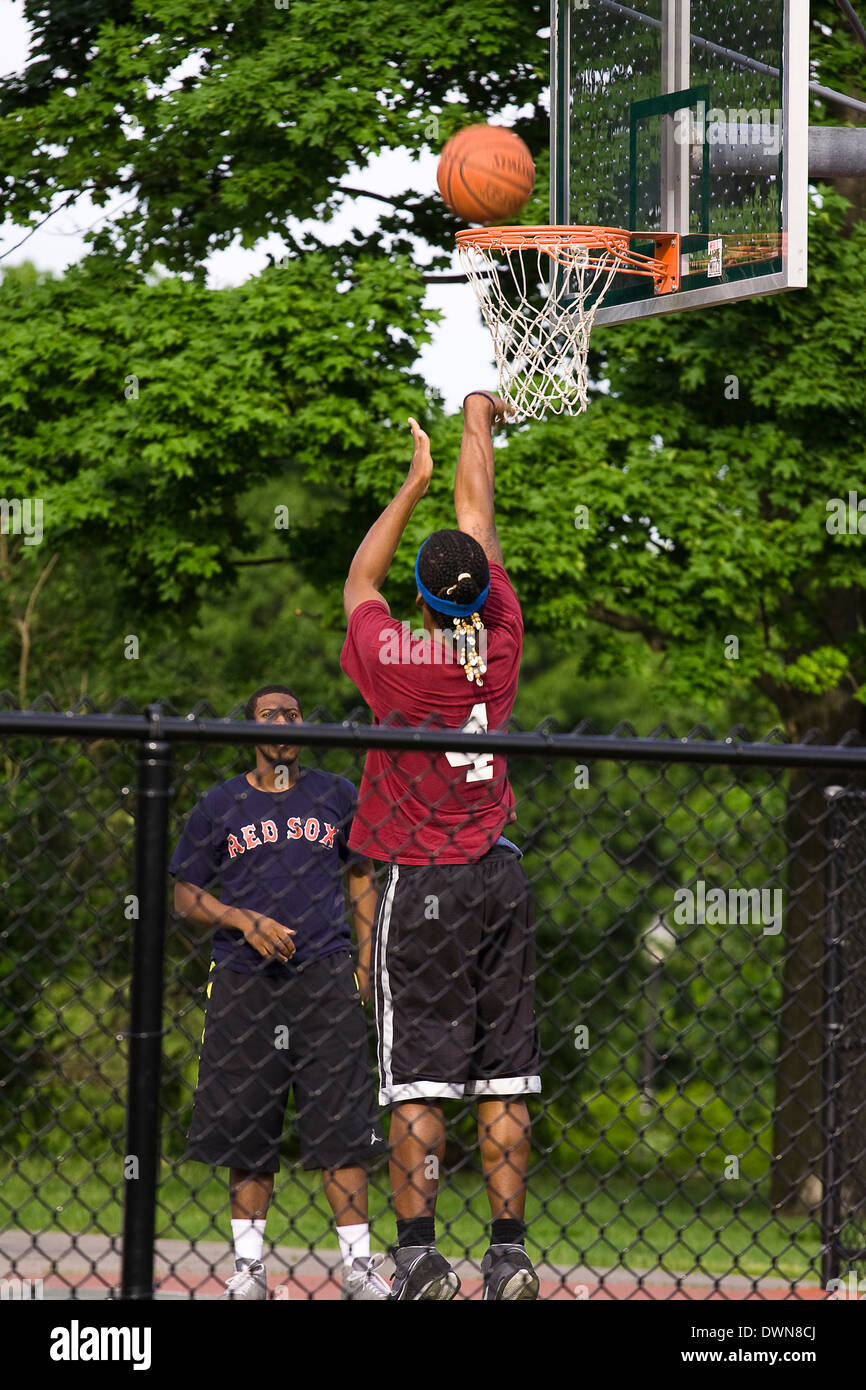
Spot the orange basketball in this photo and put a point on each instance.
(485, 173)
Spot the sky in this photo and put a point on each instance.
(458, 359)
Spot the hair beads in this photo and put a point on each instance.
(467, 650)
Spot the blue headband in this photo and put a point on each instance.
(444, 605)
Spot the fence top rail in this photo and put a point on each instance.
(154, 726)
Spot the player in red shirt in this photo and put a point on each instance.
(454, 951)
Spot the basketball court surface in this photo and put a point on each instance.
(92, 1269)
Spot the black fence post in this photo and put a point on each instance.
(146, 1028)
(831, 1197)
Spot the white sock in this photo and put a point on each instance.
(249, 1238)
(354, 1242)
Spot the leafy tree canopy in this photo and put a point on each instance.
(216, 123)
(705, 469)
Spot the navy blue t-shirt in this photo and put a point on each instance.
(279, 853)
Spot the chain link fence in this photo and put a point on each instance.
(845, 1055)
(699, 1126)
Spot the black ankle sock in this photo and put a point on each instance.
(420, 1230)
(506, 1231)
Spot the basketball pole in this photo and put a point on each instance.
(835, 152)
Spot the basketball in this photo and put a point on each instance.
(485, 173)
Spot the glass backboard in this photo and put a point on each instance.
(686, 116)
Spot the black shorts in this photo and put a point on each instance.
(265, 1035)
(454, 981)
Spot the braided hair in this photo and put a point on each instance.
(453, 567)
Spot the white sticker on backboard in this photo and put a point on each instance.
(714, 263)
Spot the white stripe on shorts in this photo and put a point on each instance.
(420, 1090)
(457, 1090)
(384, 1001)
(505, 1086)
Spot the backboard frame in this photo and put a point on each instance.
(790, 265)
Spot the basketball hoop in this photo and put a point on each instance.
(539, 289)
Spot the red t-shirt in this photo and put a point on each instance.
(423, 808)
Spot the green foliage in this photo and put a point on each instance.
(277, 107)
(837, 59)
(67, 838)
(162, 422)
(817, 671)
(605, 860)
(707, 511)
(706, 504)
(141, 413)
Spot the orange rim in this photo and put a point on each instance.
(558, 242)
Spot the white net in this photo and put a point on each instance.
(539, 301)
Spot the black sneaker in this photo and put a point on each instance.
(508, 1273)
(422, 1273)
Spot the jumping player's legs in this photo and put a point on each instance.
(417, 1135)
(472, 968)
(506, 971)
(504, 1140)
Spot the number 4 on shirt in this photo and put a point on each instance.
(480, 765)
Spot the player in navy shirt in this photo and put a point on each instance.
(259, 844)
(261, 861)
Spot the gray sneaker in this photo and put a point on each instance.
(422, 1273)
(361, 1281)
(248, 1281)
(508, 1274)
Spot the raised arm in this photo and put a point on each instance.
(369, 569)
(473, 483)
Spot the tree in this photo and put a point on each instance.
(219, 128)
(712, 532)
(140, 412)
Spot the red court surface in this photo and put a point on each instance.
(89, 1267)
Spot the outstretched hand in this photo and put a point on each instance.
(421, 467)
